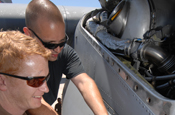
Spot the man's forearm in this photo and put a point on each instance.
(91, 94)
(94, 100)
(44, 109)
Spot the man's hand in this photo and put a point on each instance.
(44, 109)
(90, 93)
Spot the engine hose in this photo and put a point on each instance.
(170, 83)
(156, 55)
(158, 78)
(137, 50)
(111, 42)
(162, 86)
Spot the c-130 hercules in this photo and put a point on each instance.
(127, 47)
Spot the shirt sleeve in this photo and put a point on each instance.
(73, 64)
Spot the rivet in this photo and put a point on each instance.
(107, 59)
(136, 88)
(112, 63)
(126, 78)
(103, 54)
(148, 100)
(119, 70)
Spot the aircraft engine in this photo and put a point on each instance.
(141, 31)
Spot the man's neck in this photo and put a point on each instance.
(10, 107)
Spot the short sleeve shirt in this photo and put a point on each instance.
(68, 63)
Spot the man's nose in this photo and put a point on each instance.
(44, 87)
(58, 49)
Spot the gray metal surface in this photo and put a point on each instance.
(138, 12)
(72, 15)
(123, 92)
(73, 102)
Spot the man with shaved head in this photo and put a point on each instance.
(45, 23)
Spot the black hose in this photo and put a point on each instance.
(169, 83)
(165, 77)
(163, 86)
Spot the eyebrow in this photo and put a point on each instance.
(64, 39)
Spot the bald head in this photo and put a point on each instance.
(44, 10)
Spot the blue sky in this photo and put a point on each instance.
(84, 3)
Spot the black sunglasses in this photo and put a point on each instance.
(31, 81)
(50, 45)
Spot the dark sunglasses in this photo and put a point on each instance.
(31, 81)
(50, 45)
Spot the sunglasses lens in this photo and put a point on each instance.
(50, 46)
(36, 82)
(53, 46)
(62, 44)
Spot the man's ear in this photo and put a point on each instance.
(3, 85)
(26, 31)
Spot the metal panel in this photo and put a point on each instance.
(123, 92)
(73, 102)
(138, 12)
(119, 97)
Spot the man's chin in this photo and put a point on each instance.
(52, 58)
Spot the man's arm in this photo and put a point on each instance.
(90, 93)
(44, 109)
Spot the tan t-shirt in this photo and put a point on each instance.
(4, 112)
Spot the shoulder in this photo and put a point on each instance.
(67, 49)
(68, 52)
